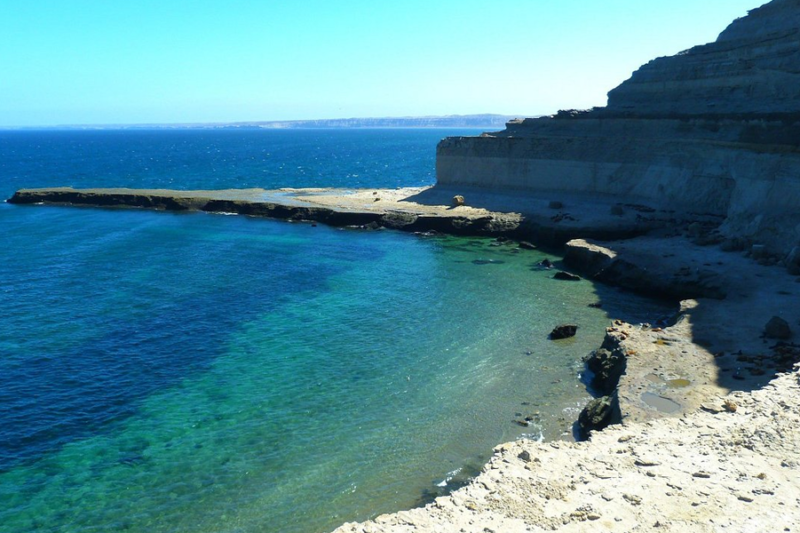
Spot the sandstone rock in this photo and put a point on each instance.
(777, 328)
(750, 69)
(563, 331)
(587, 257)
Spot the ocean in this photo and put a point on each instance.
(167, 372)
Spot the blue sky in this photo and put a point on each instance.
(168, 61)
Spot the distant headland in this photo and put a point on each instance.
(484, 120)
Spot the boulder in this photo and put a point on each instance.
(587, 257)
(607, 367)
(566, 276)
(598, 414)
(563, 331)
(457, 200)
(777, 328)
(526, 245)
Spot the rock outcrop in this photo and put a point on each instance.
(713, 130)
(329, 206)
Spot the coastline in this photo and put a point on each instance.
(701, 472)
(550, 219)
(727, 300)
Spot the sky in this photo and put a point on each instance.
(194, 61)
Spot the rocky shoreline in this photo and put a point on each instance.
(682, 372)
(705, 413)
(733, 469)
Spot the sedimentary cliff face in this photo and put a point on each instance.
(715, 129)
(752, 69)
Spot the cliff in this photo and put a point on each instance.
(713, 130)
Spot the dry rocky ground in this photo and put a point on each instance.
(734, 469)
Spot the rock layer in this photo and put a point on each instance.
(715, 130)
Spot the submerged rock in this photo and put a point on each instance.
(566, 276)
(777, 328)
(563, 331)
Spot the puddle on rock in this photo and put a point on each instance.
(661, 404)
(678, 383)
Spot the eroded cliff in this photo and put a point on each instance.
(715, 129)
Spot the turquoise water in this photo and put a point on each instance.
(195, 372)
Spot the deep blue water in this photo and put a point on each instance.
(197, 372)
(219, 159)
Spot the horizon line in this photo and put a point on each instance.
(257, 123)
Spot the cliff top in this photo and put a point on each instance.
(753, 68)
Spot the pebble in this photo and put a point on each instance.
(633, 499)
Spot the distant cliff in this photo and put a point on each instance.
(449, 121)
(485, 120)
(715, 129)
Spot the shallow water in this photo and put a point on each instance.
(196, 372)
